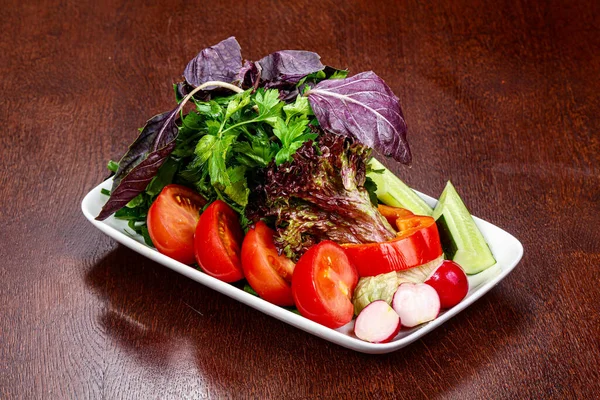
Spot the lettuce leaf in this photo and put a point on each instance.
(320, 195)
(383, 287)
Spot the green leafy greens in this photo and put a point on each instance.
(246, 132)
(221, 142)
(285, 139)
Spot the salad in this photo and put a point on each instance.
(263, 175)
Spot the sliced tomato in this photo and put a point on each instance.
(172, 220)
(218, 242)
(417, 243)
(323, 283)
(393, 213)
(269, 273)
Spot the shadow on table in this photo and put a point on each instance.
(151, 312)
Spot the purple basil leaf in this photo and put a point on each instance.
(142, 161)
(249, 75)
(287, 67)
(182, 89)
(364, 107)
(221, 62)
(288, 95)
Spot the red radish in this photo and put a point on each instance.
(416, 303)
(377, 323)
(450, 282)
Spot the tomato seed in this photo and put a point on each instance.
(343, 288)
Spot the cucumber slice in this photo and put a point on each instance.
(393, 192)
(461, 240)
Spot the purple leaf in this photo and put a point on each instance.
(249, 75)
(280, 69)
(320, 195)
(288, 66)
(142, 161)
(221, 62)
(364, 107)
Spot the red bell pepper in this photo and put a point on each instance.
(417, 243)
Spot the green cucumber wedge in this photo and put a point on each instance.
(393, 192)
(462, 241)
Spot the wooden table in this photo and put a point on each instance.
(501, 98)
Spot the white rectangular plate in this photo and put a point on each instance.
(506, 249)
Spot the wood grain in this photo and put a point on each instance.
(500, 97)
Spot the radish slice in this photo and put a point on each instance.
(377, 323)
(416, 303)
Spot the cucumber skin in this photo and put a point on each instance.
(448, 244)
(473, 257)
(393, 192)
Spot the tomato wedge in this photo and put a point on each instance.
(417, 243)
(218, 241)
(393, 213)
(269, 273)
(323, 282)
(172, 220)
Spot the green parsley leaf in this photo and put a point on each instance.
(204, 149)
(371, 188)
(191, 129)
(210, 109)
(164, 176)
(237, 103)
(269, 105)
(339, 74)
(131, 214)
(292, 135)
(286, 153)
(255, 153)
(248, 289)
(217, 168)
(238, 189)
(113, 166)
(136, 201)
(299, 107)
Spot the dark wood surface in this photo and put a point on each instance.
(501, 97)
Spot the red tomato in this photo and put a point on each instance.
(393, 213)
(417, 243)
(323, 282)
(218, 242)
(269, 273)
(172, 220)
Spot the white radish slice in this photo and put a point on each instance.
(416, 303)
(377, 323)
